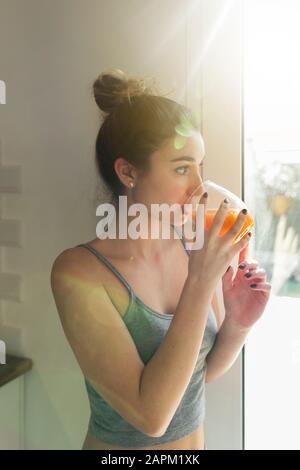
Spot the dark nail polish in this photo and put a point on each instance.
(249, 234)
(244, 211)
(227, 269)
(205, 194)
(226, 200)
(248, 275)
(253, 285)
(242, 266)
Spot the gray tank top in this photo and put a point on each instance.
(148, 328)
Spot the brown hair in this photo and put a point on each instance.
(136, 122)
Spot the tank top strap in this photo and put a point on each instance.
(103, 258)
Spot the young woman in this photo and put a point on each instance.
(138, 312)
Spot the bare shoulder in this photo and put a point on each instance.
(70, 256)
(75, 259)
(78, 269)
(72, 268)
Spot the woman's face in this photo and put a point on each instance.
(174, 173)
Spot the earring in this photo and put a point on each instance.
(131, 184)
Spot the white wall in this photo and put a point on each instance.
(50, 52)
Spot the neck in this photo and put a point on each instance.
(145, 248)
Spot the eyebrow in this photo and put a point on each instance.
(187, 158)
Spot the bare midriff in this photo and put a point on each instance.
(193, 441)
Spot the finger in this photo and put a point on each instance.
(219, 219)
(249, 271)
(204, 201)
(199, 209)
(255, 274)
(261, 286)
(227, 279)
(251, 260)
(236, 226)
(245, 265)
(237, 247)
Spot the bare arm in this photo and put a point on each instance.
(225, 351)
(218, 310)
(167, 375)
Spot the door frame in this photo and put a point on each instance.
(214, 91)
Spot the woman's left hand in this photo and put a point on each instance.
(243, 304)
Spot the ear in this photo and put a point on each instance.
(125, 170)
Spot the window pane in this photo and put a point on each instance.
(272, 192)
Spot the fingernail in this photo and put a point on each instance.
(249, 234)
(242, 266)
(227, 269)
(248, 275)
(205, 194)
(226, 200)
(244, 211)
(253, 285)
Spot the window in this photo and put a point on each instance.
(272, 192)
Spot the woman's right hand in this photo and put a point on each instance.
(209, 263)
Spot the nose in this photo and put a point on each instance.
(196, 188)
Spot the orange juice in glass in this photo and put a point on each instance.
(231, 217)
(216, 194)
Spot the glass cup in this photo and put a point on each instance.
(216, 194)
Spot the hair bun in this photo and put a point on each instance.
(113, 87)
